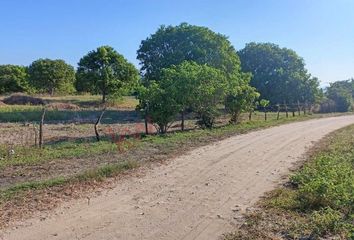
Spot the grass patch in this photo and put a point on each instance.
(71, 149)
(27, 113)
(319, 201)
(98, 174)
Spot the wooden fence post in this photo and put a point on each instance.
(97, 122)
(286, 110)
(41, 129)
(278, 105)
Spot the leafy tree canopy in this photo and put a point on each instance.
(342, 93)
(52, 76)
(171, 45)
(184, 86)
(13, 78)
(279, 74)
(105, 71)
(240, 97)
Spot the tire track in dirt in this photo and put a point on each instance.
(193, 196)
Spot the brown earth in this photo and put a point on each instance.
(197, 196)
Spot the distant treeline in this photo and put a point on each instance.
(185, 68)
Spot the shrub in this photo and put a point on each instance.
(22, 99)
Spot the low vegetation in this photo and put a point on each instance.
(61, 165)
(318, 202)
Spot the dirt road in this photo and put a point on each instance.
(196, 196)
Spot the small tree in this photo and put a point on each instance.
(106, 72)
(13, 78)
(52, 76)
(158, 104)
(241, 97)
(264, 104)
(181, 83)
(210, 88)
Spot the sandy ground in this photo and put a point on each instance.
(197, 196)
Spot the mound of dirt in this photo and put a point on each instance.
(63, 106)
(22, 99)
(2, 103)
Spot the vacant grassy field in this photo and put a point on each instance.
(89, 107)
(89, 101)
(318, 202)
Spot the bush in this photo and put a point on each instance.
(22, 99)
(326, 183)
(326, 221)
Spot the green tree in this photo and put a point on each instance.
(158, 105)
(172, 45)
(13, 78)
(279, 74)
(52, 76)
(264, 104)
(185, 86)
(241, 98)
(181, 81)
(210, 89)
(341, 92)
(104, 71)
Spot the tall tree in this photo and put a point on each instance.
(52, 76)
(171, 45)
(13, 78)
(104, 71)
(279, 74)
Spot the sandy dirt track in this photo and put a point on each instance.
(196, 196)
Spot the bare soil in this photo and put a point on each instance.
(199, 195)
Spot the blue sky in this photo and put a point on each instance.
(321, 31)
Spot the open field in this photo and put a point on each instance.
(197, 195)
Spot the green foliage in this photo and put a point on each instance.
(342, 93)
(326, 221)
(327, 182)
(106, 72)
(279, 74)
(13, 78)
(240, 98)
(185, 86)
(32, 155)
(52, 76)
(171, 45)
(264, 103)
(158, 105)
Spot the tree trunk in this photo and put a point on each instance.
(298, 108)
(265, 114)
(103, 97)
(304, 108)
(146, 125)
(250, 116)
